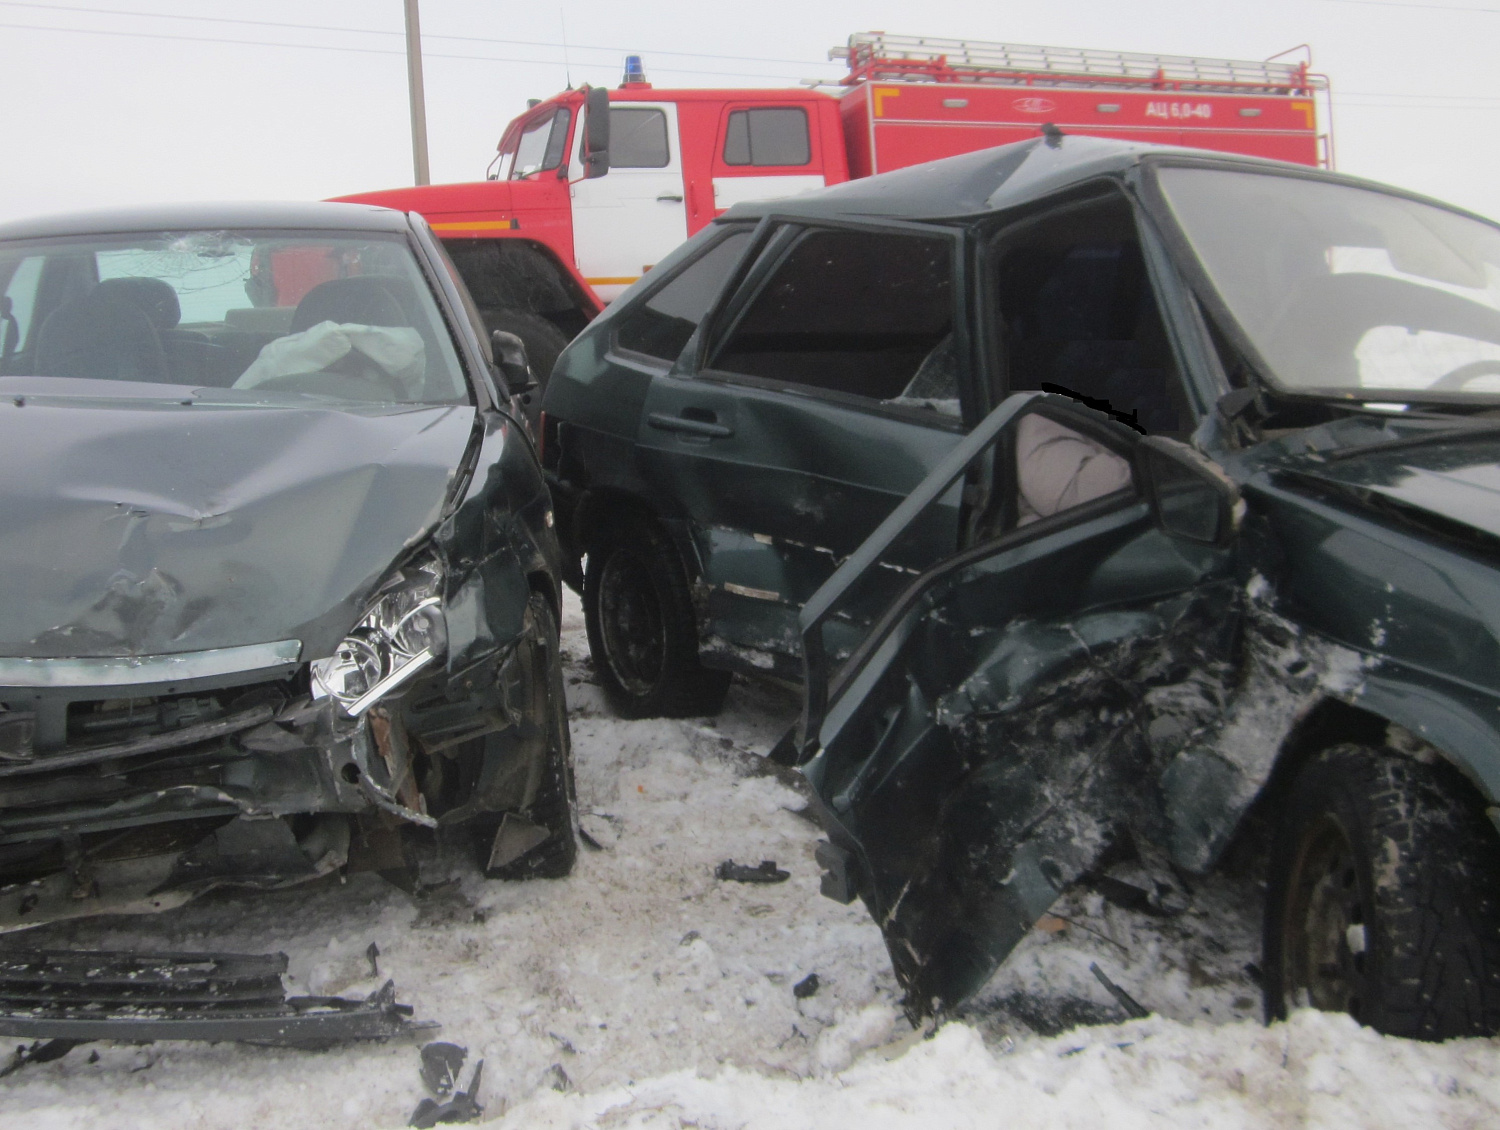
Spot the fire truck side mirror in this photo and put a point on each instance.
(596, 134)
(510, 359)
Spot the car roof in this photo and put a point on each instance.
(209, 217)
(989, 180)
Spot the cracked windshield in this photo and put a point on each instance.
(247, 314)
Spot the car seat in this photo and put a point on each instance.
(362, 301)
(104, 335)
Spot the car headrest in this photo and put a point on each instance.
(101, 336)
(363, 301)
(155, 298)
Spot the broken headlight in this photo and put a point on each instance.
(402, 633)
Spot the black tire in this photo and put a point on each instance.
(1396, 856)
(642, 632)
(554, 804)
(543, 342)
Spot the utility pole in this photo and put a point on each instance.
(418, 100)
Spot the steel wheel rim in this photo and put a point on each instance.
(631, 623)
(1325, 938)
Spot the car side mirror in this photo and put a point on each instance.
(596, 133)
(510, 359)
(1193, 499)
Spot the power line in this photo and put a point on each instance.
(1409, 4)
(1444, 101)
(365, 50)
(1413, 106)
(375, 31)
(1343, 94)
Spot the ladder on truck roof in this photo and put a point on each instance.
(874, 56)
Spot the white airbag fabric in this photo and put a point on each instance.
(1057, 467)
(395, 350)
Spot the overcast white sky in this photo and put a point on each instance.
(121, 101)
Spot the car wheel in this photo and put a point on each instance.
(543, 342)
(541, 841)
(1384, 898)
(642, 631)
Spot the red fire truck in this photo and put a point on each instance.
(581, 202)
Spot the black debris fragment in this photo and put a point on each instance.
(1163, 902)
(806, 987)
(84, 995)
(441, 1063)
(462, 1107)
(43, 1051)
(1049, 1015)
(1133, 1008)
(557, 1078)
(589, 841)
(765, 872)
(373, 953)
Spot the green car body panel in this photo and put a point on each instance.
(990, 702)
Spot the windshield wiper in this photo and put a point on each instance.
(1460, 429)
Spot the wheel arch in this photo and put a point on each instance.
(550, 590)
(602, 507)
(1418, 722)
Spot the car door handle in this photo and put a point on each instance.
(665, 423)
(671, 197)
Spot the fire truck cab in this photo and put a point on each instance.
(591, 188)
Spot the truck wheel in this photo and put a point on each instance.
(1384, 898)
(543, 342)
(642, 632)
(539, 842)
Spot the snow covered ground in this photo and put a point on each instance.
(644, 992)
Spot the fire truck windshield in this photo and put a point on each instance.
(1343, 288)
(542, 145)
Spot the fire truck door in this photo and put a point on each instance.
(628, 219)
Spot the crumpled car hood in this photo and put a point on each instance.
(1458, 479)
(141, 524)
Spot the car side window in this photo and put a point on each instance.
(638, 138)
(661, 325)
(1077, 315)
(773, 135)
(861, 313)
(16, 329)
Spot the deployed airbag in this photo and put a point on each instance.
(395, 350)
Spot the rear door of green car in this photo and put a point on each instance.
(823, 389)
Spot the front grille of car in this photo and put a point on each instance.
(105, 721)
(119, 752)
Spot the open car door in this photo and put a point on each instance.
(997, 728)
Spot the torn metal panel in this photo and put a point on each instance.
(991, 738)
(1223, 746)
(81, 995)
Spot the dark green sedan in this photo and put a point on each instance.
(1095, 493)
